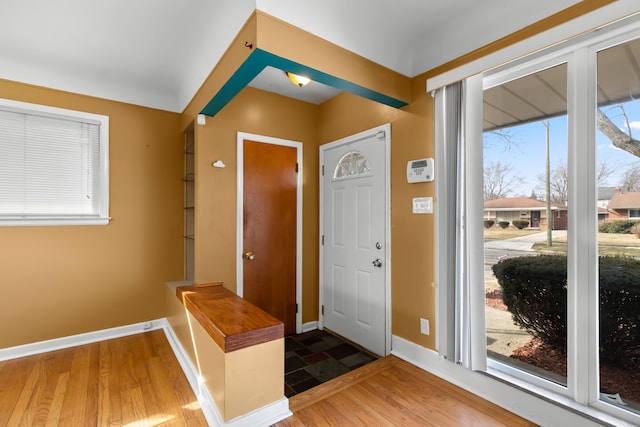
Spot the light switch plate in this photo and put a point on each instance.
(422, 205)
(424, 326)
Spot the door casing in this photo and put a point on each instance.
(241, 137)
(386, 129)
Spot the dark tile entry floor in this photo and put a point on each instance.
(316, 357)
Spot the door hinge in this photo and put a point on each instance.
(322, 170)
(296, 308)
(296, 168)
(323, 310)
(323, 240)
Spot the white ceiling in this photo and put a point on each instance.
(157, 53)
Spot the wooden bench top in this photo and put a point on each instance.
(231, 321)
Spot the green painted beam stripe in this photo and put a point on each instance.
(250, 68)
(259, 59)
(329, 80)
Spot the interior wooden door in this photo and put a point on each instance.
(269, 229)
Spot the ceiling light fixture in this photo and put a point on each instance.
(298, 80)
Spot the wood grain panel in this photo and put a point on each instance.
(270, 178)
(231, 321)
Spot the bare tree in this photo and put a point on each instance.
(558, 184)
(603, 172)
(631, 179)
(499, 180)
(559, 181)
(534, 195)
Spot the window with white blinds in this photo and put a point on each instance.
(53, 166)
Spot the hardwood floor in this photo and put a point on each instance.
(137, 381)
(129, 381)
(392, 392)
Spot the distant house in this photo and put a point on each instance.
(624, 205)
(604, 196)
(603, 214)
(524, 208)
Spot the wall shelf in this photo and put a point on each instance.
(189, 202)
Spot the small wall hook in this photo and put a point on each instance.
(249, 45)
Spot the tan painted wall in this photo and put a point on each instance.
(259, 112)
(262, 113)
(65, 280)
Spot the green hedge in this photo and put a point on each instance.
(520, 223)
(503, 224)
(617, 227)
(534, 289)
(488, 223)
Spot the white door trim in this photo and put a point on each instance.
(386, 128)
(241, 136)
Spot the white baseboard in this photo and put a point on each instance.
(263, 417)
(80, 339)
(310, 326)
(544, 411)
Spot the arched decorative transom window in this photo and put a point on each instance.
(351, 165)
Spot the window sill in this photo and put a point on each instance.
(557, 399)
(36, 222)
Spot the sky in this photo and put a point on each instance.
(526, 152)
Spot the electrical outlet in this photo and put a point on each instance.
(424, 326)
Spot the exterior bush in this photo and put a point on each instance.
(635, 230)
(503, 224)
(488, 223)
(534, 289)
(619, 314)
(520, 223)
(618, 227)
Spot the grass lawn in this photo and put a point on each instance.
(608, 244)
(497, 233)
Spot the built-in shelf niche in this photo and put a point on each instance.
(189, 202)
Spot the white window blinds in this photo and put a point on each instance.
(53, 166)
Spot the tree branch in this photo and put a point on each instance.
(617, 137)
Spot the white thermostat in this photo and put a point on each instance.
(420, 170)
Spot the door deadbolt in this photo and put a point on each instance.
(378, 245)
(249, 256)
(377, 263)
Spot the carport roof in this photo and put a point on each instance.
(545, 95)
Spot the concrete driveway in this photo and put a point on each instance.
(523, 243)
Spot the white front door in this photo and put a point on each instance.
(354, 287)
